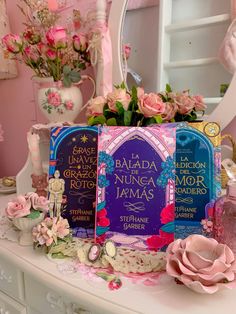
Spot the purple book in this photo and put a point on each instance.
(136, 186)
(73, 160)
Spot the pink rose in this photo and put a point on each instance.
(151, 105)
(31, 54)
(80, 42)
(31, 36)
(127, 51)
(57, 37)
(63, 228)
(69, 105)
(171, 109)
(202, 264)
(95, 107)
(20, 207)
(42, 235)
(140, 91)
(38, 202)
(51, 54)
(12, 42)
(184, 102)
(120, 95)
(199, 103)
(54, 99)
(42, 48)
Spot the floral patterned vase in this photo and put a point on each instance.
(59, 103)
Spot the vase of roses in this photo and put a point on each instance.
(25, 212)
(57, 56)
(137, 108)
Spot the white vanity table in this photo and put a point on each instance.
(31, 284)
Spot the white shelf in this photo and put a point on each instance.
(212, 100)
(198, 23)
(190, 63)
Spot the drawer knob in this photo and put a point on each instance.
(2, 311)
(5, 277)
(56, 302)
(74, 309)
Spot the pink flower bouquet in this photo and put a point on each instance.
(137, 108)
(50, 232)
(49, 49)
(202, 264)
(30, 206)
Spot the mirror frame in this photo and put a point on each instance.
(225, 111)
(116, 24)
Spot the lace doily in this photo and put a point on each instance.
(7, 229)
(126, 261)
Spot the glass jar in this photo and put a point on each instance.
(225, 217)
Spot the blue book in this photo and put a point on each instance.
(198, 177)
(73, 162)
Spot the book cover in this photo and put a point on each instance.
(73, 160)
(198, 177)
(136, 186)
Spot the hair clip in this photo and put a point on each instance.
(96, 251)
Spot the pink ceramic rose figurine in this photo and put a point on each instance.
(50, 230)
(202, 264)
(19, 207)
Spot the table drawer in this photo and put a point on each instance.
(10, 306)
(45, 300)
(11, 280)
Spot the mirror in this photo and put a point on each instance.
(182, 48)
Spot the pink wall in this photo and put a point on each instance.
(18, 111)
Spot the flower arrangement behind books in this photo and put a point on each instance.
(26, 211)
(137, 108)
(55, 53)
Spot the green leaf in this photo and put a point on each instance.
(127, 118)
(96, 120)
(66, 81)
(34, 214)
(111, 122)
(66, 69)
(74, 76)
(168, 88)
(133, 105)
(90, 120)
(105, 108)
(107, 277)
(134, 94)
(122, 85)
(158, 119)
(149, 121)
(120, 108)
